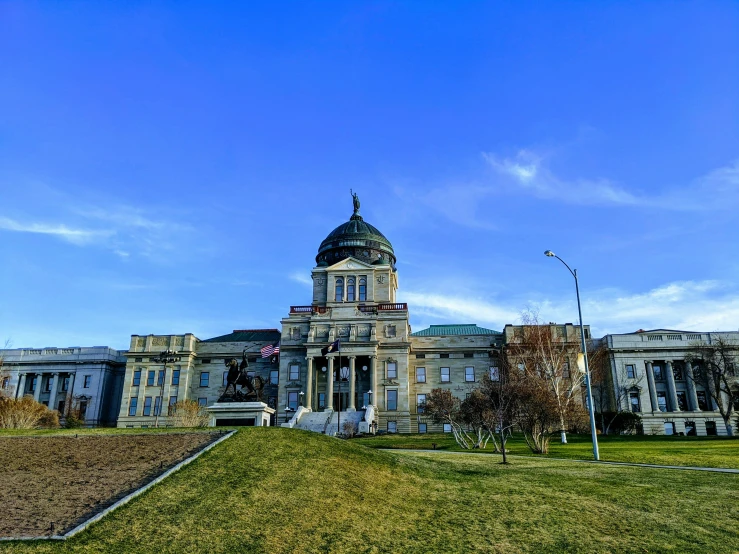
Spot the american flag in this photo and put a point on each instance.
(270, 349)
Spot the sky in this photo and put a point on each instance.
(172, 167)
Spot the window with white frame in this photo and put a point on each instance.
(294, 372)
(392, 426)
(420, 403)
(362, 289)
(420, 375)
(350, 287)
(339, 292)
(469, 374)
(392, 400)
(445, 375)
(630, 371)
(392, 370)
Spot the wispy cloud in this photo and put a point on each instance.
(69, 234)
(686, 305)
(528, 172)
(302, 278)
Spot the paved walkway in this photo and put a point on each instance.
(653, 466)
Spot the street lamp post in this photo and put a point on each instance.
(165, 357)
(591, 408)
(343, 377)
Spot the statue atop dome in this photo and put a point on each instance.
(355, 200)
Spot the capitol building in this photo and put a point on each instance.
(376, 380)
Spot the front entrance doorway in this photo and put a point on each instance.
(344, 401)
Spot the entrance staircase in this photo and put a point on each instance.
(313, 421)
(333, 425)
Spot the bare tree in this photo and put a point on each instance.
(548, 358)
(714, 366)
(443, 407)
(5, 379)
(501, 392)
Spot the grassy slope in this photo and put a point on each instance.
(277, 490)
(679, 451)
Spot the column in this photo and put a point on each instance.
(352, 384)
(373, 379)
(37, 390)
(330, 385)
(652, 389)
(52, 396)
(671, 386)
(692, 395)
(21, 386)
(309, 384)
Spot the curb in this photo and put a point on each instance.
(85, 524)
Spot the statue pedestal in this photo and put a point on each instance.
(247, 414)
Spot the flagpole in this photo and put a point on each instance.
(338, 373)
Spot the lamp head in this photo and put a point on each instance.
(549, 254)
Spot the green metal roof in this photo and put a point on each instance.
(457, 329)
(247, 335)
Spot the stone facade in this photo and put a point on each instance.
(87, 380)
(651, 377)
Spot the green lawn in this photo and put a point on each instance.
(280, 490)
(679, 451)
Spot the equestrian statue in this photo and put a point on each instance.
(238, 375)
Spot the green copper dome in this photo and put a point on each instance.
(357, 239)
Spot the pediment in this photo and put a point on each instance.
(350, 264)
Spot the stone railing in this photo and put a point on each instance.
(397, 306)
(295, 418)
(365, 426)
(309, 309)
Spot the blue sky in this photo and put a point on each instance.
(171, 167)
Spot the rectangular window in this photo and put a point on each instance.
(421, 427)
(202, 401)
(294, 373)
(420, 375)
(445, 375)
(172, 402)
(392, 426)
(83, 409)
(420, 402)
(131, 406)
(292, 400)
(702, 400)
(350, 289)
(662, 401)
(47, 388)
(160, 378)
(469, 374)
(443, 356)
(225, 378)
(682, 401)
(60, 408)
(138, 360)
(392, 370)
(34, 381)
(157, 405)
(566, 370)
(658, 374)
(420, 355)
(137, 378)
(339, 290)
(634, 400)
(362, 288)
(205, 361)
(87, 382)
(204, 378)
(176, 377)
(65, 384)
(321, 399)
(677, 372)
(690, 428)
(274, 376)
(494, 373)
(469, 354)
(6, 382)
(150, 378)
(447, 427)
(147, 406)
(631, 371)
(392, 400)
(711, 428)
(669, 428)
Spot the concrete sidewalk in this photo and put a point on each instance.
(630, 464)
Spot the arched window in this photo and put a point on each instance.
(350, 289)
(339, 290)
(362, 289)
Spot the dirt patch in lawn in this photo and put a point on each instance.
(66, 480)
